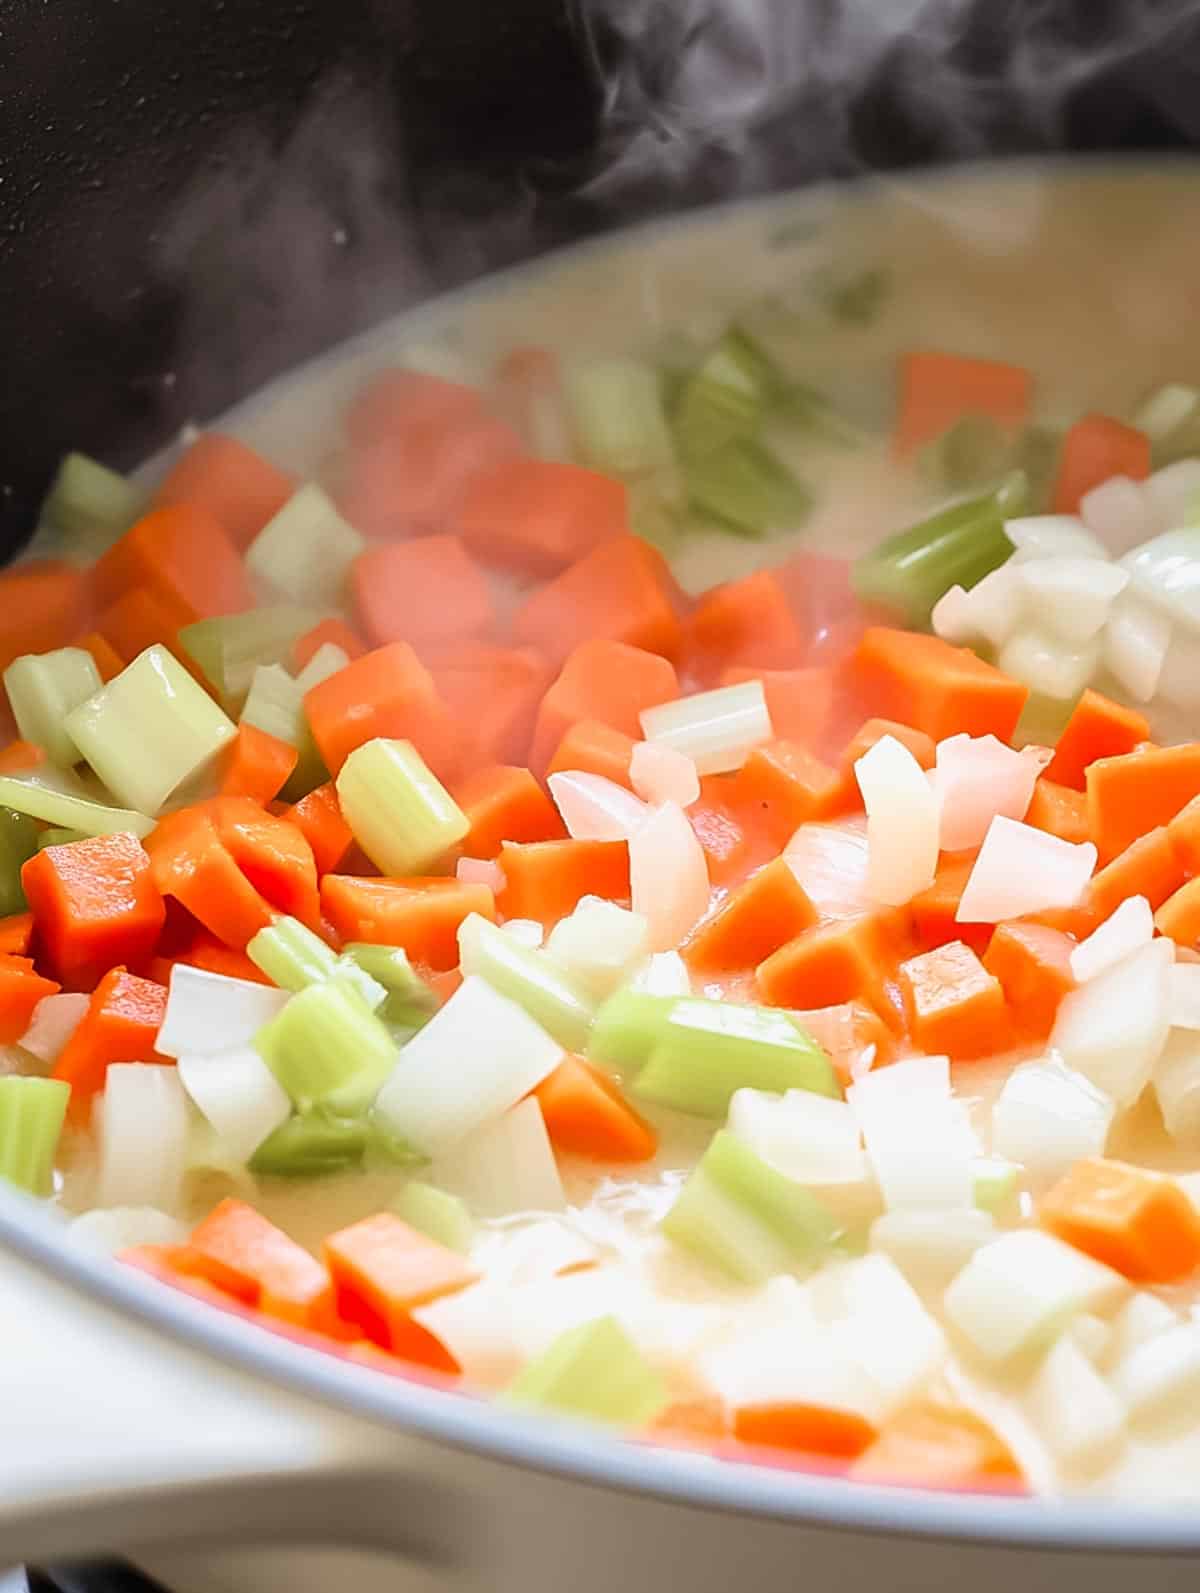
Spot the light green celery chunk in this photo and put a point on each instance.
(721, 402)
(91, 505)
(1043, 720)
(409, 1002)
(290, 955)
(747, 489)
(57, 797)
(42, 689)
(326, 661)
(1170, 417)
(59, 837)
(399, 811)
(229, 649)
(975, 450)
(617, 417)
(306, 550)
(311, 1146)
(593, 1370)
(626, 1028)
(708, 1049)
(437, 1214)
(856, 299)
(31, 1119)
(996, 1182)
(1035, 460)
(528, 977)
(741, 1215)
(810, 411)
(275, 703)
(327, 1048)
(18, 843)
(149, 730)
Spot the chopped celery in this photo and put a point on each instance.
(810, 411)
(653, 512)
(275, 703)
(738, 1213)
(59, 837)
(231, 648)
(91, 505)
(290, 955)
(719, 403)
(996, 1182)
(626, 1028)
(149, 729)
(855, 299)
(31, 1119)
(1036, 460)
(530, 978)
(975, 450)
(1043, 720)
(434, 1212)
(617, 416)
(42, 689)
(958, 546)
(327, 1048)
(18, 843)
(306, 550)
(705, 1050)
(59, 798)
(1171, 419)
(747, 489)
(326, 661)
(401, 815)
(593, 1370)
(409, 1001)
(311, 1145)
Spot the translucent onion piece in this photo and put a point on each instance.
(1176, 1080)
(504, 1167)
(596, 809)
(599, 944)
(1047, 1117)
(1166, 573)
(208, 1013)
(1143, 1316)
(903, 814)
(1021, 870)
(1171, 492)
(116, 1228)
(950, 617)
(929, 1247)
(1113, 1028)
(914, 1137)
(1048, 666)
(1179, 678)
(978, 777)
(830, 861)
(995, 606)
(1078, 1417)
(1070, 598)
(804, 1136)
(1119, 513)
(659, 773)
(664, 974)
(142, 1118)
(668, 876)
(480, 871)
(716, 729)
(239, 1095)
(1160, 1379)
(525, 931)
(1125, 931)
(1042, 536)
(54, 1021)
(1185, 996)
(854, 1299)
(1134, 646)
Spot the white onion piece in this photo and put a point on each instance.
(663, 974)
(143, 1131)
(1021, 870)
(239, 1095)
(1047, 1117)
(1185, 995)
(1092, 1335)
(1179, 678)
(1044, 536)
(915, 1138)
(1117, 512)
(807, 1137)
(599, 943)
(54, 1021)
(525, 931)
(659, 773)
(1023, 1288)
(1070, 598)
(531, 1251)
(903, 815)
(854, 1299)
(1122, 933)
(977, 777)
(208, 1012)
(668, 876)
(116, 1228)
(475, 1325)
(1114, 1027)
(790, 1362)
(480, 871)
(1134, 646)
(1160, 1378)
(1143, 1316)
(1171, 493)
(1077, 1416)
(1176, 1080)
(830, 861)
(596, 809)
(994, 605)
(716, 729)
(950, 617)
(929, 1247)
(1050, 667)
(505, 1166)
(1166, 573)
(1166, 410)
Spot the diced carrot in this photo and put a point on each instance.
(1149, 867)
(192, 865)
(1126, 796)
(771, 907)
(538, 516)
(238, 1250)
(94, 903)
(121, 1024)
(204, 950)
(428, 589)
(327, 632)
(944, 691)
(237, 486)
(585, 1113)
(606, 681)
(811, 1429)
(594, 748)
(255, 764)
(387, 692)
(853, 1035)
(1097, 728)
(933, 910)
(44, 603)
(107, 660)
(445, 984)
(934, 1443)
(848, 795)
(1139, 1222)
(20, 991)
(1033, 964)
(382, 1271)
(696, 1420)
(397, 399)
(828, 964)
(1059, 810)
(1179, 915)
(272, 854)
(799, 701)
(1078, 921)
(728, 849)
(621, 592)
(19, 756)
(505, 803)
(546, 879)
(746, 622)
(1184, 833)
(184, 555)
(16, 933)
(422, 915)
(1095, 449)
(524, 372)
(954, 1007)
(139, 618)
(784, 785)
(936, 390)
(318, 817)
(496, 691)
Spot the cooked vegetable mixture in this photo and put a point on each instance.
(765, 1017)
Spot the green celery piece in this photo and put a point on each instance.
(275, 703)
(1036, 457)
(42, 689)
(626, 1029)
(435, 1213)
(1043, 720)
(996, 1182)
(59, 837)
(401, 814)
(708, 1049)
(149, 729)
(653, 517)
(290, 955)
(305, 551)
(91, 505)
(229, 649)
(1170, 417)
(958, 546)
(811, 411)
(738, 1213)
(328, 1049)
(720, 403)
(389, 965)
(747, 489)
(32, 1112)
(57, 797)
(973, 452)
(594, 1370)
(312, 1145)
(326, 661)
(18, 843)
(855, 299)
(529, 978)
(617, 416)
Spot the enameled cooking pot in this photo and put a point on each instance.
(194, 198)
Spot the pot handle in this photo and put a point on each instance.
(115, 1437)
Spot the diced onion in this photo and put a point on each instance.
(914, 1137)
(1135, 645)
(1021, 870)
(668, 876)
(660, 773)
(596, 809)
(989, 612)
(830, 861)
(532, 1252)
(1118, 512)
(208, 1013)
(1044, 536)
(1166, 573)
(1078, 1417)
(1070, 598)
(1048, 1117)
(807, 1137)
(664, 974)
(505, 1166)
(143, 1131)
(239, 1095)
(1048, 666)
(1176, 1080)
(929, 1247)
(950, 617)
(903, 813)
(117, 1228)
(1143, 1316)
(1093, 1335)
(1125, 931)
(1179, 678)
(859, 1295)
(716, 729)
(1185, 995)
(525, 931)
(1113, 1028)
(1160, 1378)
(978, 777)
(54, 1021)
(599, 944)
(480, 871)
(1171, 492)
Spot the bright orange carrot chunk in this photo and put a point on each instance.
(811, 1429)
(537, 516)
(192, 864)
(594, 748)
(204, 950)
(505, 803)
(1137, 1221)
(585, 1113)
(16, 933)
(1179, 915)
(121, 1024)
(606, 681)
(1059, 810)
(318, 817)
(44, 602)
(20, 991)
(953, 1005)
(107, 660)
(1096, 448)
(853, 1035)
(255, 764)
(753, 921)
(428, 589)
(938, 1444)
(272, 854)
(1097, 728)
(934, 911)
(1149, 867)
(238, 487)
(327, 633)
(496, 691)
(621, 592)
(936, 390)
(142, 616)
(238, 1250)
(94, 903)
(828, 964)
(799, 701)
(182, 554)
(397, 400)
(783, 786)
(729, 850)
(387, 692)
(546, 879)
(1184, 833)
(422, 915)
(18, 756)
(1033, 964)
(1126, 796)
(944, 691)
(746, 622)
